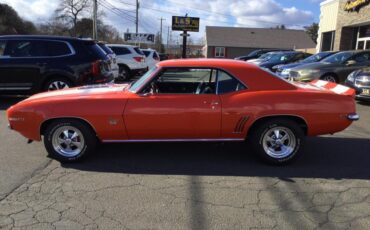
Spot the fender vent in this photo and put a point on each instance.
(240, 124)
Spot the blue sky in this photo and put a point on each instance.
(240, 13)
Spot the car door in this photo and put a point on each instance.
(20, 64)
(179, 103)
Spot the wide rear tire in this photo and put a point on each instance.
(277, 141)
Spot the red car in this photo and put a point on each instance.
(188, 100)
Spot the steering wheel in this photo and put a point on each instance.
(199, 88)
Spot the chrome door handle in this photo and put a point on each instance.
(215, 103)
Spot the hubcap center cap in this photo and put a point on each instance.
(68, 141)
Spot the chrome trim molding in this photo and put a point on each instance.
(15, 88)
(353, 117)
(173, 140)
(240, 124)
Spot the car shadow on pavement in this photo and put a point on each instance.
(7, 101)
(323, 157)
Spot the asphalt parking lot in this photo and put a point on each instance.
(187, 185)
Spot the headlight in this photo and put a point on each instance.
(286, 71)
(276, 66)
(351, 77)
(363, 78)
(308, 71)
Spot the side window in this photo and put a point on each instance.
(227, 83)
(364, 57)
(155, 55)
(57, 48)
(184, 81)
(26, 48)
(220, 52)
(120, 50)
(2, 48)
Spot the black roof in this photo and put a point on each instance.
(64, 38)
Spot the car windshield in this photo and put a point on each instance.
(266, 56)
(136, 85)
(280, 57)
(253, 53)
(138, 51)
(105, 48)
(338, 58)
(315, 58)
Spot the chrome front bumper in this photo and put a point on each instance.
(353, 117)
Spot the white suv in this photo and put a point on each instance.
(130, 59)
(152, 57)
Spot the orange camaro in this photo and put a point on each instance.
(188, 100)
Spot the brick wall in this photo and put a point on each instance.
(346, 21)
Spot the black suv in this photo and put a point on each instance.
(30, 64)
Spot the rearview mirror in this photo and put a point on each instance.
(350, 62)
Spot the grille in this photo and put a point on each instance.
(240, 124)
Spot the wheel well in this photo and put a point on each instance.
(125, 66)
(52, 76)
(46, 123)
(300, 121)
(331, 73)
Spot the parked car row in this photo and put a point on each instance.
(30, 64)
(348, 67)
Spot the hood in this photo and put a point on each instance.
(318, 65)
(88, 90)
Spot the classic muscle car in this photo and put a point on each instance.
(188, 100)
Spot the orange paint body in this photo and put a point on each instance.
(117, 114)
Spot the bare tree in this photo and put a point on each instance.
(71, 10)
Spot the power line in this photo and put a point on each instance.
(116, 12)
(210, 12)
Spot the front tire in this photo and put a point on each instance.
(69, 140)
(330, 78)
(277, 141)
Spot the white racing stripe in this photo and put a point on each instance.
(339, 89)
(321, 83)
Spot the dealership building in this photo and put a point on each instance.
(344, 25)
(230, 42)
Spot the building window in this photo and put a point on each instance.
(327, 43)
(220, 52)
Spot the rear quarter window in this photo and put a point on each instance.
(146, 52)
(138, 51)
(94, 50)
(57, 48)
(120, 50)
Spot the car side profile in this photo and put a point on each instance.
(130, 60)
(187, 100)
(334, 68)
(255, 54)
(30, 64)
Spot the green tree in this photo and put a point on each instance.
(11, 23)
(312, 31)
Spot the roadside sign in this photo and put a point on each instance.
(139, 38)
(185, 23)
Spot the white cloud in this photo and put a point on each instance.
(244, 13)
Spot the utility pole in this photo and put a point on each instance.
(95, 18)
(168, 37)
(160, 35)
(137, 16)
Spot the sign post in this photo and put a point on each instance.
(185, 24)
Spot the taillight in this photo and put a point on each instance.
(95, 68)
(139, 59)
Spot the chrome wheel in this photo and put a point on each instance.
(68, 141)
(55, 85)
(329, 78)
(279, 142)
